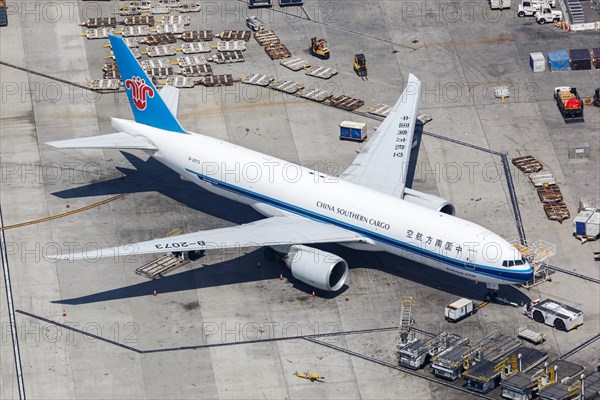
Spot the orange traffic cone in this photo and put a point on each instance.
(154, 294)
(281, 276)
(314, 295)
(64, 313)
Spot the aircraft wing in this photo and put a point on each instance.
(267, 232)
(384, 163)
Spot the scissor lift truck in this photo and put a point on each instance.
(550, 312)
(417, 352)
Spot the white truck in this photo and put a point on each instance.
(254, 23)
(553, 313)
(546, 14)
(527, 8)
(458, 310)
(499, 4)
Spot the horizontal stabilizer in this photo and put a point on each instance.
(119, 140)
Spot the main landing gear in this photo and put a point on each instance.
(492, 293)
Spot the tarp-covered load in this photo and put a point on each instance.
(558, 60)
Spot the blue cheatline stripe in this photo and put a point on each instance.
(473, 268)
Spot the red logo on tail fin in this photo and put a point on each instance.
(140, 90)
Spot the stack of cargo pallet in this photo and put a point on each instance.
(547, 189)
(160, 33)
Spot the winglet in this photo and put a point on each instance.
(147, 105)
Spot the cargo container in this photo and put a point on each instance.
(592, 225)
(356, 131)
(458, 310)
(290, 2)
(580, 59)
(260, 3)
(558, 60)
(537, 61)
(3, 14)
(596, 57)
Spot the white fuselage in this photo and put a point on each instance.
(276, 187)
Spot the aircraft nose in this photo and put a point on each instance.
(528, 273)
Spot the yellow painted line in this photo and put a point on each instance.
(38, 221)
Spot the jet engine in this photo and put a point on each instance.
(428, 200)
(319, 269)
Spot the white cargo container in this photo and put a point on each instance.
(537, 61)
(458, 310)
(587, 223)
(592, 225)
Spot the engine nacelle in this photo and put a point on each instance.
(428, 200)
(319, 269)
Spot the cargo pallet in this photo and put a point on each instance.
(381, 110)
(235, 35)
(319, 71)
(197, 70)
(318, 95)
(110, 22)
(161, 72)
(195, 47)
(228, 57)
(527, 164)
(346, 103)
(197, 36)
(277, 51)
(217, 80)
(295, 63)
(557, 212)
(139, 20)
(158, 39)
(265, 38)
(290, 87)
(258, 79)
(549, 194)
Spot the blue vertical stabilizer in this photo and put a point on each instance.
(147, 105)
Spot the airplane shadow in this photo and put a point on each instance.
(246, 269)
(235, 271)
(152, 176)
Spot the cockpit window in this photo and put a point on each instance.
(513, 263)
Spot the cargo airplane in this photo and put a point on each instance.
(368, 207)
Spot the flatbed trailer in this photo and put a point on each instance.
(486, 375)
(449, 363)
(569, 103)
